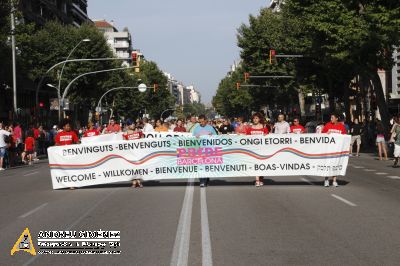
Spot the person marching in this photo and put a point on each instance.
(203, 129)
(296, 128)
(91, 131)
(333, 127)
(281, 127)
(133, 134)
(67, 136)
(257, 128)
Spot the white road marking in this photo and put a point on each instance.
(344, 200)
(307, 181)
(33, 211)
(381, 173)
(78, 239)
(32, 173)
(358, 167)
(180, 254)
(394, 177)
(76, 222)
(205, 231)
(369, 170)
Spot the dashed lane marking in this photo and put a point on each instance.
(381, 173)
(32, 173)
(344, 200)
(180, 253)
(33, 211)
(394, 177)
(205, 231)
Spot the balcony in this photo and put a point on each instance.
(121, 45)
(78, 11)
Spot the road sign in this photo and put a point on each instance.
(142, 87)
(54, 104)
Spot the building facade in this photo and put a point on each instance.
(275, 5)
(182, 94)
(119, 41)
(68, 12)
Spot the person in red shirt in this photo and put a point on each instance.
(296, 128)
(113, 127)
(29, 146)
(134, 133)
(91, 131)
(257, 128)
(333, 127)
(67, 136)
(179, 126)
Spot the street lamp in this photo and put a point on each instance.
(69, 61)
(65, 93)
(169, 109)
(142, 88)
(69, 55)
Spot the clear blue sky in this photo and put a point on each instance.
(195, 41)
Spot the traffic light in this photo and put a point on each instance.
(97, 116)
(155, 87)
(41, 104)
(237, 85)
(272, 54)
(134, 58)
(246, 76)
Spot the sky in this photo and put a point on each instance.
(195, 41)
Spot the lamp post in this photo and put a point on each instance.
(169, 109)
(68, 61)
(65, 93)
(14, 71)
(69, 55)
(142, 88)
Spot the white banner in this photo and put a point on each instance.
(188, 157)
(119, 136)
(103, 138)
(166, 134)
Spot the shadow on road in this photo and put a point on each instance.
(267, 182)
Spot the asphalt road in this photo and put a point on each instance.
(289, 221)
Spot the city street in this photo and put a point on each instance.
(289, 221)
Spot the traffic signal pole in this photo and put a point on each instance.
(14, 67)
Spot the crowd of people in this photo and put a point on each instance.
(25, 146)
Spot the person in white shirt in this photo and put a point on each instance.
(3, 144)
(281, 127)
(147, 127)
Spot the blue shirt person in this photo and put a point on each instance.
(203, 129)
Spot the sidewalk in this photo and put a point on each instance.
(42, 159)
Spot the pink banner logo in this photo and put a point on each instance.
(195, 156)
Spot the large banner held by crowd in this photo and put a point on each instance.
(189, 157)
(120, 136)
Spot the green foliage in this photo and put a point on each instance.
(340, 39)
(195, 109)
(229, 101)
(132, 103)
